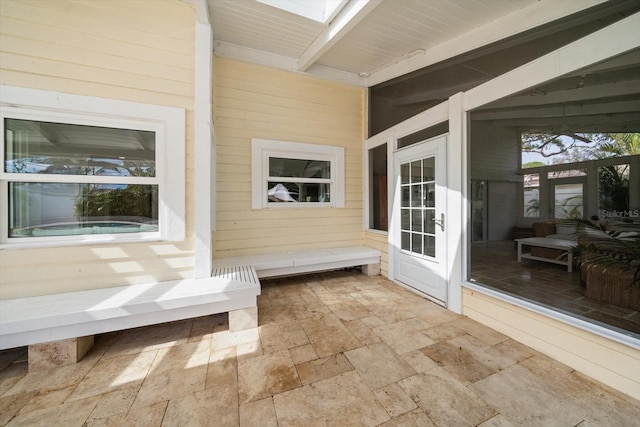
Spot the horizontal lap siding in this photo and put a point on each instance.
(252, 101)
(379, 241)
(141, 51)
(614, 364)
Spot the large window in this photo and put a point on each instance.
(88, 175)
(293, 174)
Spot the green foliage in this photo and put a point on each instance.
(533, 165)
(619, 247)
(132, 201)
(613, 182)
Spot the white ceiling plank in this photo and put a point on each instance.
(348, 18)
(537, 14)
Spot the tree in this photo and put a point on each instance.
(533, 165)
(569, 147)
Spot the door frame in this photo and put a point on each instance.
(452, 111)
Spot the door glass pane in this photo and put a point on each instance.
(418, 207)
(405, 223)
(416, 246)
(430, 197)
(416, 220)
(416, 196)
(430, 246)
(429, 224)
(428, 169)
(406, 241)
(406, 200)
(568, 200)
(416, 172)
(404, 173)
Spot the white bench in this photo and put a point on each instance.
(40, 320)
(307, 261)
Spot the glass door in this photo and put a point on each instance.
(420, 209)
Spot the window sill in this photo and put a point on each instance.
(374, 231)
(108, 240)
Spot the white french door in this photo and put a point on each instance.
(420, 219)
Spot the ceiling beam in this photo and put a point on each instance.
(346, 20)
(202, 11)
(604, 91)
(528, 18)
(628, 122)
(285, 63)
(618, 107)
(609, 42)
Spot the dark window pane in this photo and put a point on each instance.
(299, 168)
(378, 201)
(55, 148)
(282, 192)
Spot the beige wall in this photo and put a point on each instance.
(140, 51)
(252, 101)
(612, 363)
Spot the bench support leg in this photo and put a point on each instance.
(371, 269)
(245, 318)
(58, 353)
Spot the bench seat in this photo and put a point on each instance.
(307, 261)
(42, 319)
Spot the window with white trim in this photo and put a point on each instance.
(294, 174)
(83, 169)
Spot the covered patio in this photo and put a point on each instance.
(209, 106)
(337, 348)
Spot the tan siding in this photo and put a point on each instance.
(612, 363)
(140, 51)
(252, 101)
(380, 242)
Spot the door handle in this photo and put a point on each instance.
(440, 221)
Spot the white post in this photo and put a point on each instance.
(204, 149)
(457, 206)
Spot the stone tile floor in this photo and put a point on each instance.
(335, 349)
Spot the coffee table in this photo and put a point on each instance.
(543, 242)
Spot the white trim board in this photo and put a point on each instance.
(168, 122)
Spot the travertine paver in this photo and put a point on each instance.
(332, 349)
